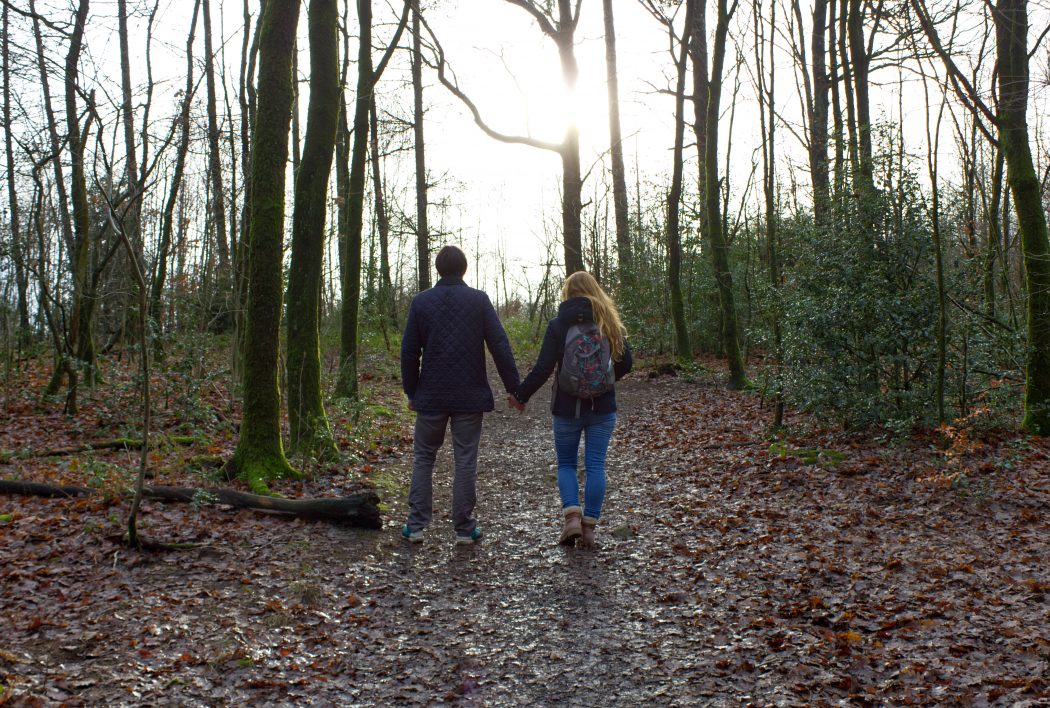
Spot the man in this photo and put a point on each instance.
(449, 325)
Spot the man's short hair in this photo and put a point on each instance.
(451, 262)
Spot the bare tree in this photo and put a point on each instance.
(562, 30)
(623, 236)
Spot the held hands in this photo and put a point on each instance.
(515, 403)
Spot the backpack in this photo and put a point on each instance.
(586, 366)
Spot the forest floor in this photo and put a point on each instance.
(817, 570)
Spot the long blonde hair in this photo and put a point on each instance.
(582, 284)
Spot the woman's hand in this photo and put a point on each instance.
(515, 403)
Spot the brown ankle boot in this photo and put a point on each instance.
(587, 537)
(572, 528)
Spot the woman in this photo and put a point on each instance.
(589, 411)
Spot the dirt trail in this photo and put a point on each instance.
(747, 577)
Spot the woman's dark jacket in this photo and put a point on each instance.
(449, 326)
(572, 311)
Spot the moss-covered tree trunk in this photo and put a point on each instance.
(260, 453)
(1011, 33)
(310, 432)
(674, 201)
(719, 246)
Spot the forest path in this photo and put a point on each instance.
(519, 619)
(874, 572)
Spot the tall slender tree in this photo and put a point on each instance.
(167, 224)
(260, 452)
(674, 196)
(712, 195)
(623, 236)
(21, 274)
(350, 269)
(218, 191)
(422, 227)
(311, 433)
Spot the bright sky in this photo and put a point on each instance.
(505, 198)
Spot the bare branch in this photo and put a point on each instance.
(453, 87)
(541, 19)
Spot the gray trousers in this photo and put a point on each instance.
(429, 436)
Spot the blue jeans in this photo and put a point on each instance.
(597, 430)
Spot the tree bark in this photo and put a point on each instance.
(422, 227)
(82, 322)
(350, 271)
(1011, 32)
(311, 433)
(218, 203)
(386, 286)
(260, 452)
(360, 509)
(351, 268)
(818, 126)
(719, 246)
(167, 226)
(674, 200)
(623, 235)
(571, 179)
(17, 239)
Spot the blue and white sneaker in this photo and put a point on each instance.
(473, 537)
(412, 536)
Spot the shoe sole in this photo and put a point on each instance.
(569, 540)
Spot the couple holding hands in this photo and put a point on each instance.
(443, 373)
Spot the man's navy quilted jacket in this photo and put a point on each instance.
(449, 325)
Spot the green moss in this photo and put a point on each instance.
(807, 455)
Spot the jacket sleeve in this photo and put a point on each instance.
(623, 367)
(499, 346)
(411, 350)
(545, 364)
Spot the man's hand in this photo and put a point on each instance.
(515, 403)
(411, 405)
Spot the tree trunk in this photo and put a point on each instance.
(674, 200)
(623, 236)
(347, 383)
(218, 203)
(767, 122)
(859, 61)
(82, 323)
(386, 287)
(167, 220)
(260, 453)
(132, 219)
(818, 127)
(719, 246)
(994, 233)
(17, 239)
(360, 509)
(571, 179)
(1011, 32)
(310, 432)
(836, 101)
(701, 91)
(422, 229)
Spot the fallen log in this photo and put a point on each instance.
(360, 509)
